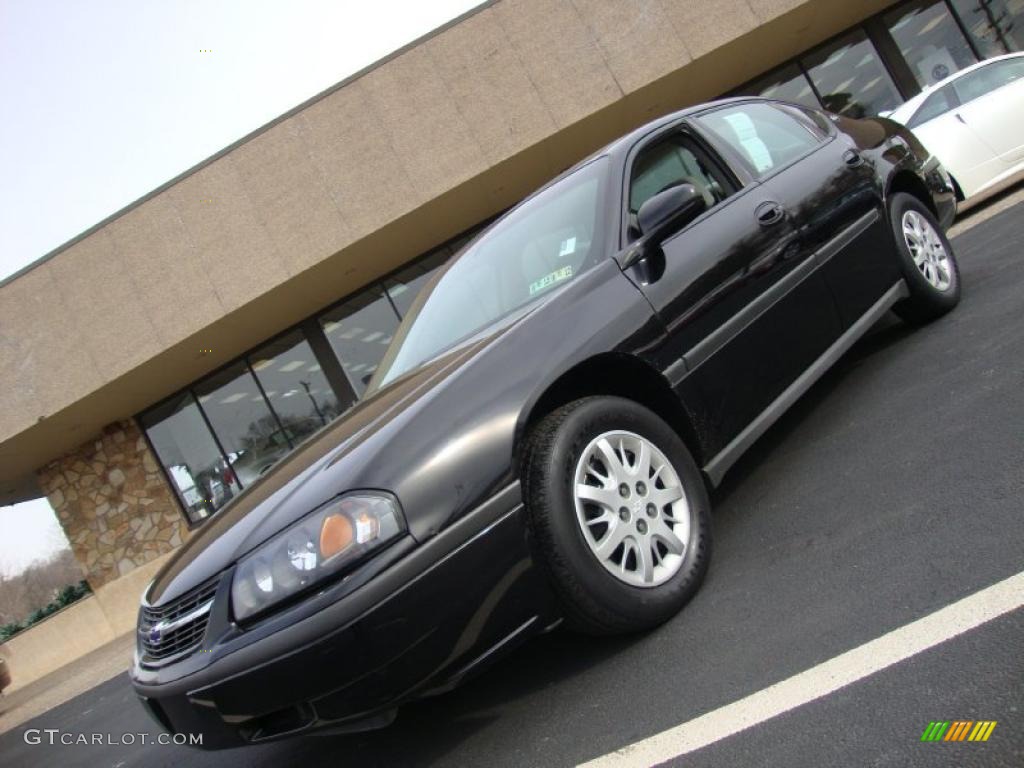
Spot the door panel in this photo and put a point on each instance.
(836, 206)
(744, 310)
(996, 117)
(740, 380)
(961, 150)
(992, 101)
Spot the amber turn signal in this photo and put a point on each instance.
(335, 535)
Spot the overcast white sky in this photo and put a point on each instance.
(104, 100)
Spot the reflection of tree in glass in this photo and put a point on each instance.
(260, 433)
(305, 386)
(299, 426)
(997, 24)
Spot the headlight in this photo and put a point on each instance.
(314, 549)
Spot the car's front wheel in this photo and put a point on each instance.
(927, 261)
(619, 514)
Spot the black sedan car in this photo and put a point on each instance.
(539, 443)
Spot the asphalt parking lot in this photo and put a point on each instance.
(893, 489)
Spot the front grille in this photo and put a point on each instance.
(171, 631)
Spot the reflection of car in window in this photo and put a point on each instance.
(539, 441)
(252, 464)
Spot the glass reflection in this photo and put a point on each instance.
(851, 79)
(249, 433)
(359, 332)
(190, 456)
(930, 41)
(406, 284)
(996, 26)
(785, 84)
(295, 385)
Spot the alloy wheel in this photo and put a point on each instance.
(632, 508)
(927, 250)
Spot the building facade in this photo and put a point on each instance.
(164, 360)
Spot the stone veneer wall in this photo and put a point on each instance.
(114, 503)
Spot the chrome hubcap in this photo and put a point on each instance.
(927, 250)
(631, 508)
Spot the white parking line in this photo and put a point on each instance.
(825, 678)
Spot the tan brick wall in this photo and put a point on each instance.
(114, 503)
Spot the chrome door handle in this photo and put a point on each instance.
(769, 213)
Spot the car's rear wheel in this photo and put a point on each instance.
(619, 514)
(927, 260)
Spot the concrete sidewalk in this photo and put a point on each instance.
(41, 695)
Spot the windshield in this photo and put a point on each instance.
(542, 244)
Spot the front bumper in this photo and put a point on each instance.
(431, 619)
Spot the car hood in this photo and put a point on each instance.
(328, 463)
(441, 438)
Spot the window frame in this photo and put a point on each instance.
(164, 405)
(885, 51)
(725, 149)
(313, 332)
(887, 21)
(684, 128)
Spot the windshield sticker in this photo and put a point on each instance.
(550, 279)
(568, 247)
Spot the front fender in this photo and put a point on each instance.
(457, 446)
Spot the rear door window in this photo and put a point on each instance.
(765, 137)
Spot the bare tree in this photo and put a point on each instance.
(36, 586)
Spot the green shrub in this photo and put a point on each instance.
(63, 598)
(71, 593)
(9, 630)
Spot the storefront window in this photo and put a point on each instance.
(405, 286)
(248, 432)
(295, 386)
(359, 332)
(190, 456)
(930, 41)
(785, 84)
(996, 26)
(851, 79)
(220, 434)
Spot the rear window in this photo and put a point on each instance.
(989, 78)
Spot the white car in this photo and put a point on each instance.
(973, 122)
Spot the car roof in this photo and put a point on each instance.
(621, 146)
(905, 110)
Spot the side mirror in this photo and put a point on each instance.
(669, 211)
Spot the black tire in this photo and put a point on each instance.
(595, 601)
(926, 302)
